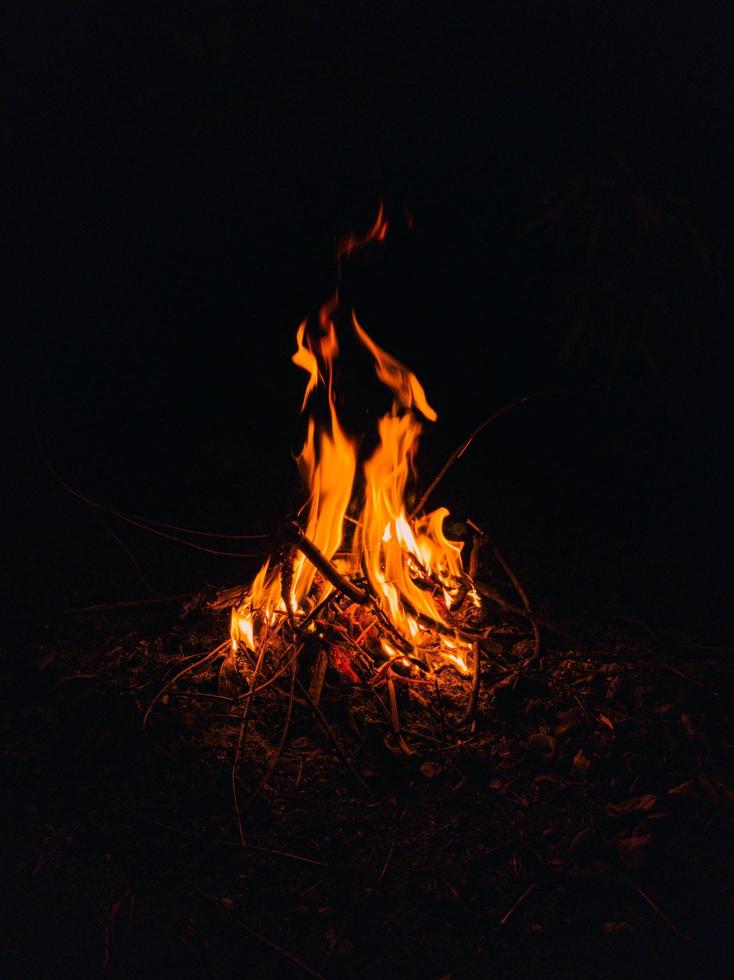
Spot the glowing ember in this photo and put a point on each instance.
(397, 582)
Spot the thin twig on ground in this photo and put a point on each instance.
(462, 448)
(511, 911)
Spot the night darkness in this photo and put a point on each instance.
(558, 186)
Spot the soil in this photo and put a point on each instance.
(584, 829)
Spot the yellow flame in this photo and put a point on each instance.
(412, 567)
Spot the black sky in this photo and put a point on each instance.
(178, 175)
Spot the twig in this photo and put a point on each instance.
(316, 611)
(525, 601)
(387, 860)
(391, 851)
(318, 675)
(395, 718)
(283, 952)
(283, 735)
(668, 922)
(209, 656)
(439, 702)
(489, 593)
(404, 645)
(476, 547)
(286, 583)
(133, 560)
(127, 604)
(203, 696)
(132, 518)
(502, 846)
(241, 739)
(462, 448)
(510, 912)
(295, 536)
(471, 715)
(327, 728)
(220, 842)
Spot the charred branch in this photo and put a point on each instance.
(296, 537)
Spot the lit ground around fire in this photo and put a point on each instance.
(581, 831)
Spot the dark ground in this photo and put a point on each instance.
(598, 790)
(177, 182)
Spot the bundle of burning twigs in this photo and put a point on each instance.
(363, 600)
(348, 632)
(368, 588)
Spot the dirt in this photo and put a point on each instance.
(584, 828)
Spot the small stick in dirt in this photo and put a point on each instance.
(439, 702)
(489, 593)
(511, 911)
(525, 601)
(241, 740)
(147, 523)
(318, 675)
(476, 546)
(327, 728)
(668, 922)
(133, 560)
(471, 715)
(127, 604)
(209, 656)
(221, 842)
(283, 952)
(390, 853)
(281, 744)
(395, 718)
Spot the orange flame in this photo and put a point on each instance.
(408, 389)
(414, 571)
(352, 241)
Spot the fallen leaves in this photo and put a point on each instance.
(633, 848)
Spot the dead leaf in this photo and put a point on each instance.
(619, 929)
(638, 804)
(709, 789)
(633, 848)
(583, 842)
(614, 687)
(688, 789)
(430, 770)
(543, 745)
(606, 721)
(568, 721)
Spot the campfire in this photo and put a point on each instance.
(381, 591)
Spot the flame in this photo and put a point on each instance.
(352, 241)
(412, 568)
(407, 387)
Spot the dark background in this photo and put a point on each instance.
(178, 177)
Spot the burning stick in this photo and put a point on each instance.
(403, 566)
(295, 535)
